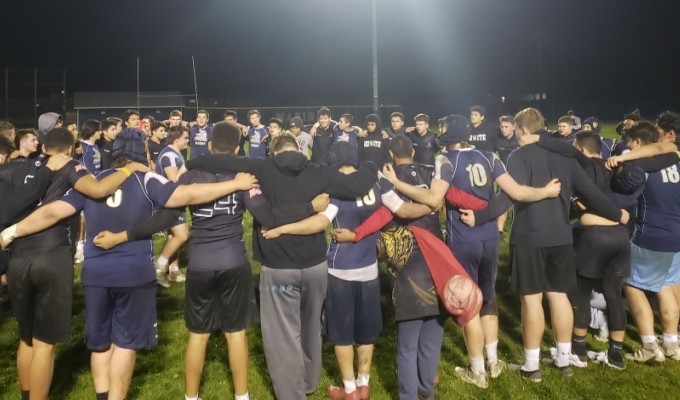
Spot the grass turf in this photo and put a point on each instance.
(159, 372)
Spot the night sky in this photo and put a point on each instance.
(295, 51)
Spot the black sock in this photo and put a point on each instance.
(25, 395)
(578, 345)
(102, 396)
(615, 351)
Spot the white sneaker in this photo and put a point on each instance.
(600, 357)
(176, 275)
(574, 360)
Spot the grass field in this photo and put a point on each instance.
(159, 372)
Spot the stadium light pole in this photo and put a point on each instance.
(375, 59)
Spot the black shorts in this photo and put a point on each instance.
(603, 250)
(542, 269)
(352, 311)
(220, 300)
(41, 291)
(480, 260)
(124, 316)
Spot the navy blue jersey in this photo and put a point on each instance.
(217, 227)
(198, 140)
(421, 176)
(257, 145)
(473, 171)
(58, 234)
(349, 136)
(426, 147)
(607, 148)
(168, 157)
(350, 214)
(131, 263)
(91, 157)
(322, 142)
(657, 215)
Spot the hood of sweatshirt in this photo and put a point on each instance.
(290, 162)
(374, 118)
(47, 121)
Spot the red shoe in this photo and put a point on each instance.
(338, 393)
(364, 392)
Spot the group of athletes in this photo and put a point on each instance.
(382, 191)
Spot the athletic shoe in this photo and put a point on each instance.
(162, 278)
(533, 376)
(671, 351)
(338, 393)
(649, 353)
(601, 357)
(364, 392)
(468, 376)
(79, 257)
(496, 368)
(575, 360)
(176, 275)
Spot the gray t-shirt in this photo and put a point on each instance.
(305, 142)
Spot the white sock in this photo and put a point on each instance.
(162, 262)
(477, 365)
(242, 397)
(563, 348)
(491, 352)
(349, 385)
(563, 352)
(646, 339)
(187, 397)
(174, 268)
(670, 338)
(362, 379)
(531, 357)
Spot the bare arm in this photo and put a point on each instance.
(41, 219)
(413, 211)
(311, 225)
(172, 173)
(649, 150)
(528, 194)
(200, 193)
(98, 189)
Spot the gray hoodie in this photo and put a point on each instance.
(46, 123)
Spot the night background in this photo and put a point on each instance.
(435, 55)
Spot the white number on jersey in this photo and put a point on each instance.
(115, 199)
(367, 200)
(670, 174)
(477, 174)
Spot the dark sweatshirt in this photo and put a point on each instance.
(290, 178)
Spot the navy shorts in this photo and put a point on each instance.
(352, 311)
(220, 300)
(480, 260)
(542, 269)
(124, 316)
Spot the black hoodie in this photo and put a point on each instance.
(373, 147)
(289, 178)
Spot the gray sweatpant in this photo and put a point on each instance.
(291, 301)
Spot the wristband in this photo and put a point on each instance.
(9, 234)
(125, 170)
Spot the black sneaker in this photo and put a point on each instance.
(533, 376)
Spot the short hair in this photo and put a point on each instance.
(230, 113)
(115, 119)
(566, 120)
(157, 124)
(128, 113)
(107, 123)
(669, 121)
(589, 140)
(5, 146)
(176, 113)
(225, 137)
(283, 141)
(348, 117)
(276, 121)
(422, 117)
(478, 109)
(401, 146)
(59, 140)
(251, 112)
(530, 119)
(5, 127)
(398, 115)
(506, 118)
(644, 131)
(325, 111)
(207, 114)
(149, 117)
(174, 133)
(21, 134)
(89, 128)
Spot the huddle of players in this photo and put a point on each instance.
(545, 266)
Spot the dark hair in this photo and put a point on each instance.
(401, 146)
(479, 109)
(669, 121)
(644, 131)
(89, 128)
(22, 133)
(422, 117)
(157, 124)
(127, 114)
(149, 117)
(225, 137)
(348, 117)
(230, 113)
(5, 146)
(59, 140)
(276, 121)
(207, 114)
(174, 133)
(283, 141)
(398, 115)
(116, 119)
(589, 140)
(251, 112)
(107, 123)
(325, 111)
